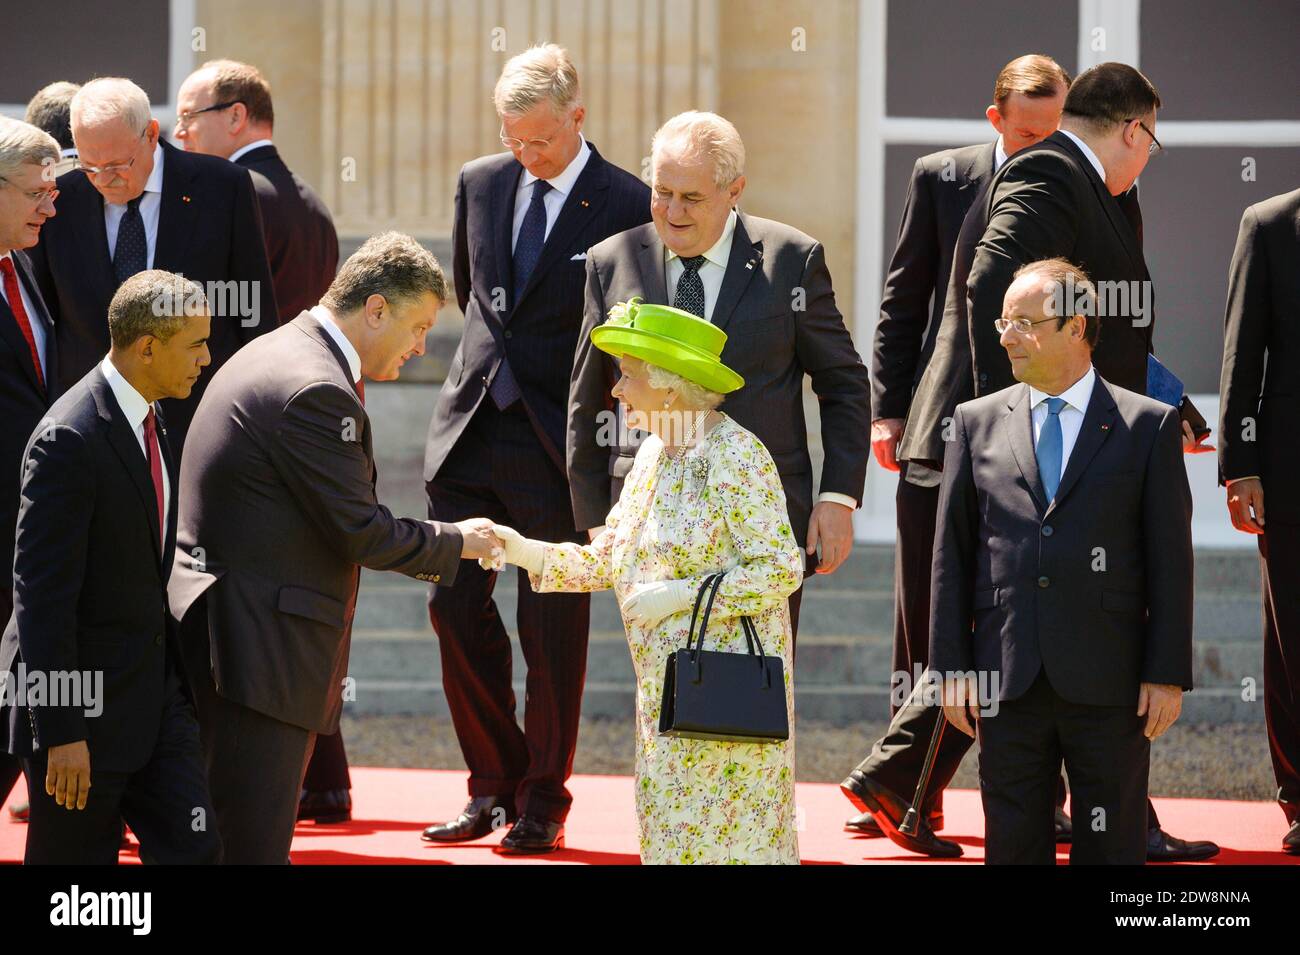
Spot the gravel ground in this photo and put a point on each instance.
(1227, 761)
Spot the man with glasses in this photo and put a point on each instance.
(1041, 480)
(27, 348)
(524, 222)
(137, 203)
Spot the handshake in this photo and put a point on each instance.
(495, 545)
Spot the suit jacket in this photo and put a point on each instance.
(278, 515)
(1261, 355)
(23, 403)
(209, 230)
(1095, 588)
(769, 343)
(301, 243)
(1047, 200)
(90, 581)
(943, 186)
(539, 332)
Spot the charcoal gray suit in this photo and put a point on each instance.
(278, 515)
(1072, 603)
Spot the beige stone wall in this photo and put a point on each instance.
(379, 102)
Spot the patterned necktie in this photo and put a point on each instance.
(689, 296)
(1049, 448)
(153, 454)
(15, 297)
(532, 236)
(131, 253)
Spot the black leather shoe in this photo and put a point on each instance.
(20, 811)
(887, 808)
(532, 836)
(326, 807)
(1064, 827)
(481, 816)
(1162, 847)
(865, 825)
(1291, 841)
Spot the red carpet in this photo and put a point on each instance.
(391, 806)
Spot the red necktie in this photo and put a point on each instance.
(15, 297)
(154, 455)
(361, 391)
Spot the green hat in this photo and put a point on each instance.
(670, 338)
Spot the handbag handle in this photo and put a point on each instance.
(711, 584)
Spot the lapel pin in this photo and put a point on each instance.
(585, 203)
(1105, 427)
(749, 264)
(185, 198)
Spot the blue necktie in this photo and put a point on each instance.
(690, 288)
(130, 252)
(528, 249)
(1049, 448)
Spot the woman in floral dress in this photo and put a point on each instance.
(703, 496)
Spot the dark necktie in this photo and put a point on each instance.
(153, 454)
(15, 296)
(689, 296)
(1050, 447)
(131, 252)
(532, 236)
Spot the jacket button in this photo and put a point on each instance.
(437, 577)
(1044, 582)
(157, 639)
(1047, 530)
(485, 379)
(509, 333)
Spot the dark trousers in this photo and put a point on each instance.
(500, 470)
(328, 768)
(165, 803)
(255, 763)
(1279, 547)
(10, 766)
(1107, 758)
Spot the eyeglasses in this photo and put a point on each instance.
(115, 168)
(1023, 325)
(183, 120)
(511, 142)
(1155, 146)
(37, 196)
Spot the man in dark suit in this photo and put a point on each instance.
(1027, 98)
(950, 378)
(91, 564)
(27, 348)
(1258, 452)
(137, 203)
(278, 516)
(767, 285)
(524, 222)
(224, 109)
(1062, 582)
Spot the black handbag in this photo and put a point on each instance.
(736, 697)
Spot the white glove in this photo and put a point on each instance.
(647, 604)
(518, 550)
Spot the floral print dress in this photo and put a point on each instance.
(720, 507)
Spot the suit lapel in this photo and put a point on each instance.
(650, 264)
(13, 336)
(584, 201)
(744, 261)
(174, 478)
(1020, 431)
(95, 265)
(177, 216)
(38, 301)
(503, 219)
(980, 168)
(1096, 427)
(128, 450)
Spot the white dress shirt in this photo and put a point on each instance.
(711, 271)
(1076, 398)
(249, 148)
(561, 186)
(1087, 151)
(326, 319)
(150, 206)
(33, 316)
(999, 155)
(136, 409)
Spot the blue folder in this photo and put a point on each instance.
(1163, 384)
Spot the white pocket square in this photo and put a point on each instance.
(579, 257)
